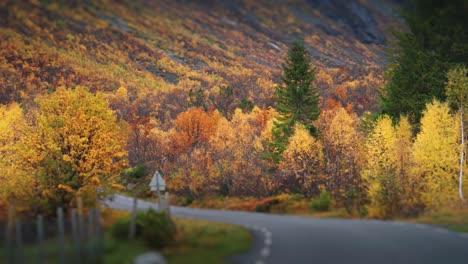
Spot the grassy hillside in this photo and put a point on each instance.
(228, 52)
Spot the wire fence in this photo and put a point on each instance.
(74, 236)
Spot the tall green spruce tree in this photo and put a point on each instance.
(436, 39)
(297, 99)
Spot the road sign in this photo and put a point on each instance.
(157, 182)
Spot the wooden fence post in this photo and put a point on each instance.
(132, 231)
(61, 235)
(99, 237)
(19, 242)
(75, 236)
(40, 239)
(81, 231)
(90, 237)
(10, 250)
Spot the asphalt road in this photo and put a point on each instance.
(292, 239)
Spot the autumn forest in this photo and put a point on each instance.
(251, 99)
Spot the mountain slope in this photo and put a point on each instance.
(219, 50)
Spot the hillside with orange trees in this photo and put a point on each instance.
(223, 100)
(215, 54)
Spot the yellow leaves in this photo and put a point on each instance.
(303, 151)
(342, 150)
(267, 134)
(122, 94)
(380, 147)
(65, 188)
(66, 158)
(436, 155)
(95, 180)
(117, 186)
(386, 164)
(16, 183)
(12, 123)
(340, 129)
(76, 136)
(403, 176)
(303, 159)
(229, 160)
(47, 193)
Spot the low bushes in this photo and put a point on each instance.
(156, 229)
(263, 205)
(134, 173)
(322, 203)
(120, 228)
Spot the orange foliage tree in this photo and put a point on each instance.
(188, 141)
(342, 150)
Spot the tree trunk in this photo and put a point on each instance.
(462, 155)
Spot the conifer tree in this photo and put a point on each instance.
(297, 99)
(436, 39)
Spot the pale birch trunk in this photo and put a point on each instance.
(462, 155)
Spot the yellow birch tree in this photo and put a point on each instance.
(17, 185)
(302, 163)
(380, 170)
(436, 156)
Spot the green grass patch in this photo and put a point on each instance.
(206, 242)
(455, 220)
(122, 252)
(29, 253)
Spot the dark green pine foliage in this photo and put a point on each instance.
(297, 99)
(436, 39)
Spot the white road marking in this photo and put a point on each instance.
(259, 262)
(268, 241)
(265, 252)
(268, 234)
(464, 235)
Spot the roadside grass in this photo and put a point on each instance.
(122, 252)
(455, 220)
(332, 213)
(196, 241)
(30, 253)
(289, 204)
(206, 242)
(115, 252)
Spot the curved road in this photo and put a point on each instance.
(292, 239)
